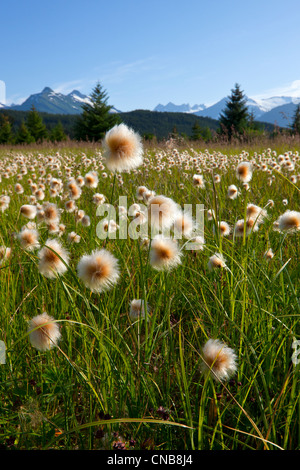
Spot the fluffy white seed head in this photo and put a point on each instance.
(219, 360)
(29, 239)
(216, 261)
(137, 309)
(28, 211)
(164, 253)
(289, 221)
(244, 172)
(162, 212)
(123, 149)
(98, 271)
(50, 259)
(44, 332)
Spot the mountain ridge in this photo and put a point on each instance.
(276, 110)
(49, 101)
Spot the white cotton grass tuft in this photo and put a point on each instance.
(99, 271)
(29, 211)
(247, 227)
(44, 332)
(74, 190)
(98, 199)
(224, 228)
(198, 181)
(140, 192)
(269, 254)
(256, 213)
(29, 239)
(137, 309)
(73, 237)
(219, 360)
(53, 259)
(5, 252)
(4, 202)
(123, 149)
(165, 254)
(211, 214)
(232, 192)
(196, 243)
(216, 261)
(244, 172)
(91, 179)
(162, 212)
(289, 221)
(184, 225)
(51, 213)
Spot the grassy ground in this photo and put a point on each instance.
(111, 382)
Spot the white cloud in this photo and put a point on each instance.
(289, 89)
(2, 92)
(67, 87)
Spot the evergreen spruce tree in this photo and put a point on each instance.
(234, 119)
(196, 131)
(23, 135)
(58, 134)
(6, 135)
(296, 121)
(96, 118)
(36, 126)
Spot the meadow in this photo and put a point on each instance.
(157, 346)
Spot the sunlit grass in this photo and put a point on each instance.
(116, 382)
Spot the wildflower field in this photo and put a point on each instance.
(138, 342)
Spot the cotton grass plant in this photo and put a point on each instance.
(207, 364)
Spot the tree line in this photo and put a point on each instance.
(96, 118)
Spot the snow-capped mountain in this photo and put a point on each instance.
(278, 110)
(49, 101)
(183, 108)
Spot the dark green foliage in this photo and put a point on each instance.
(50, 120)
(149, 124)
(201, 133)
(36, 126)
(23, 135)
(57, 134)
(96, 118)
(296, 121)
(235, 118)
(6, 136)
(162, 124)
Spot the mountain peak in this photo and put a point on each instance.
(47, 90)
(77, 93)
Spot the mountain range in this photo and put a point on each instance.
(278, 110)
(49, 101)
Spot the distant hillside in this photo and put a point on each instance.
(162, 124)
(50, 120)
(146, 123)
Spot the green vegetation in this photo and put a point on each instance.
(296, 121)
(96, 118)
(234, 120)
(113, 382)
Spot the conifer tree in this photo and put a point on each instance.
(96, 118)
(6, 135)
(296, 121)
(58, 134)
(36, 126)
(196, 131)
(235, 118)
(23, 135)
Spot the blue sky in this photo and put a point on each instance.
(146, 53)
